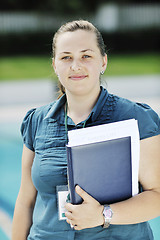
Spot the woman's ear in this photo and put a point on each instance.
(105, 61)
(53, 65)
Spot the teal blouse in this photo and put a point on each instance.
(43, 131)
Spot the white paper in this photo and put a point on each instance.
(62, 196)
(108, 132)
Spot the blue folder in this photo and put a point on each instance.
(102, 169)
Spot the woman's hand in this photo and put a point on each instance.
(86, 215)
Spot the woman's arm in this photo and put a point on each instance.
(140, 208)
(22, 219)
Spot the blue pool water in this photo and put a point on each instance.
(10, 168)
(10, 162)
(10, 173)
(3, 236)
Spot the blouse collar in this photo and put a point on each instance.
(58, 107)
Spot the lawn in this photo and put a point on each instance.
(36, 67)
(134, 64)
(26, 67)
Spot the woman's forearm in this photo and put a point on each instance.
(140, 208)
(22, 221)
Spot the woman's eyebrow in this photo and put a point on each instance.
(86, 50)
(65, 53)
(82, 51)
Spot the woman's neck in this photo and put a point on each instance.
(79, 107)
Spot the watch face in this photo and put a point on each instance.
(108, 212)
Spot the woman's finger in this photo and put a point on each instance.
(69, 207)
(72, 223)
(69, 215)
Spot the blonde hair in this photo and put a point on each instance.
(71, 27)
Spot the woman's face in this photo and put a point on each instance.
(78, 62)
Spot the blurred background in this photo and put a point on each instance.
(131, 31)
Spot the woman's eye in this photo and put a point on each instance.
(86, 56)
(66, 58)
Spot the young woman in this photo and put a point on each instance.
(79, 59)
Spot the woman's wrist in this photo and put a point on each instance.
(107, 215)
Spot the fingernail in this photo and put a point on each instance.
(78, 187)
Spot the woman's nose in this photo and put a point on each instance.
(75, 66)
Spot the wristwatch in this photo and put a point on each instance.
(107, 213)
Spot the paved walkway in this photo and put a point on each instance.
(18, 97)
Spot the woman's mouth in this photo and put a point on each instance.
(77, 77)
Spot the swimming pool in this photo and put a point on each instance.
(10, 175)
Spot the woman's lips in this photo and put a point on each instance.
(77, 77)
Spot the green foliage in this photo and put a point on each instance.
(54, 6)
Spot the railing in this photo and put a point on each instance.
(128, 17)
(27, 22)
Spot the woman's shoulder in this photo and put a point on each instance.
(40, 112)
(127, 108)
(32, 120)
(148, 119)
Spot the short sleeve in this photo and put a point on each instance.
(28, 129)
(148, 120)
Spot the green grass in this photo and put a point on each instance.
(27, 67)
(35, 67)
(133, 64)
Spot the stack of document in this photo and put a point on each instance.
(104, 161)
